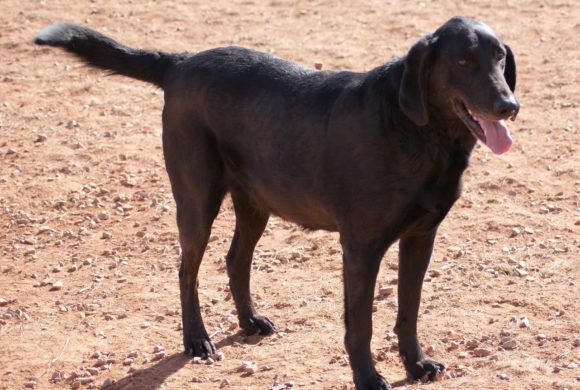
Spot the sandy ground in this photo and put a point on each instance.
(89, 246)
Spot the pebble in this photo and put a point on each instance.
(509, 343)
(318, 65)
(128, 362)
(224, 383)
(158, 356)
(3, 302)
(57, 376)
(218, 356)
(106, 235)
(385, 291)
(30, 384)
(249, 367)
(56, 286)
(158, 348)
(101, 361)
(482, 352)
(525, 323)
(503, 376)
(107, 382)
(86, 380)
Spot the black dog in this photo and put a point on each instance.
(376, 156)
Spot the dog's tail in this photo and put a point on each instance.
(102, 52)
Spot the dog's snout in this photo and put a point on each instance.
(506, 108)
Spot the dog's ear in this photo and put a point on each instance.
(413, 90)
(509, 73)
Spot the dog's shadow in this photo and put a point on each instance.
(154, 377)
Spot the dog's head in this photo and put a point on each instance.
(462, 70)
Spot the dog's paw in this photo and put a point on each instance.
(199, 346)
(373, 382)
(258, 324)
(425, 370)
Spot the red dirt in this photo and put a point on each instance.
(75, 144)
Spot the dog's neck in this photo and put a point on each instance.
(444, 136)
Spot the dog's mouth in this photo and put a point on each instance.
(494, 134)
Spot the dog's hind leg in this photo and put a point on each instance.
(196, 174)
(250, 224)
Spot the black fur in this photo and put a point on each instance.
(376, 156)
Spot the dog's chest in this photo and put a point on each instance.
(434, 198)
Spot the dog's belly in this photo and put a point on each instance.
(290, 203)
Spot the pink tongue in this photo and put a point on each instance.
(497, 135)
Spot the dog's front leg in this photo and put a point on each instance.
(360, 268)
(414, 256)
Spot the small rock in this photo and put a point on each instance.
(541, 337)
(103, 216)
(86, 380)
(41, 138)
(3, 302)
(30, 384)
(431, 349)
(503, 377)
(318, 65)
(435, 273)
(107, 382)
(224, 383)
(56, 286)
(525, 323)
(128, 362)
(106, 235)
(158, 348)
(57, 376)
(482, 352)
(515, 232)
(218, 356)
(385, 291)
(509, 343)
(93, 370)
(248, 367)
(75, 384)
(158, 356)
(101, 361)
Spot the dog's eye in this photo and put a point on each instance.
(499, 55)
(462, 62)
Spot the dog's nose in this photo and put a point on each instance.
(506, 108)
